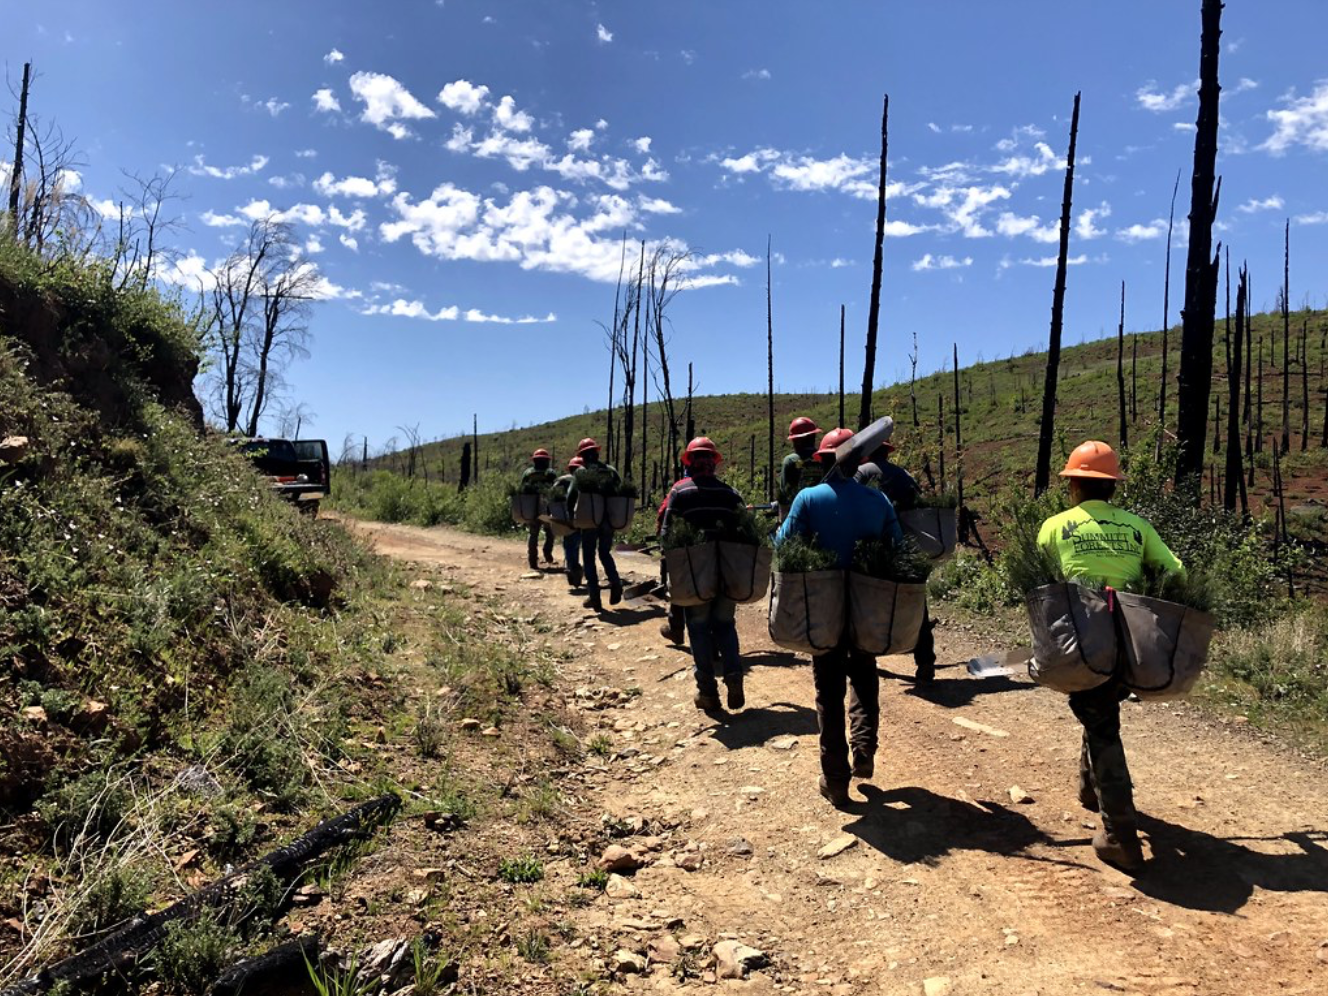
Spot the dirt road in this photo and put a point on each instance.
(946, 885)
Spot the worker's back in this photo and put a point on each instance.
(1096, 541)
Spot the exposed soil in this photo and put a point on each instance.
(949, 885)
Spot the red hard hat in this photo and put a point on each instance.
(540, 454)
(586, 445)
(575, 462)
(832, 440)
(700, 445)
(802, 427)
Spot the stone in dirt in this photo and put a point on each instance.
(621, 888)
(429, 875)
(471, 724)
(421, 584)
(388, 962)
(740, 847)
(837, 846)
(693, 942)
(93, 717)
(626, 962)
(528, 576)
(13, 449)
(1019, 797)
(783, 743)
(937, 985)
(617, 858)
(969, 724)
(733, 959)
(307, 895)
(664, 950)
(492, 731)
(689, 861)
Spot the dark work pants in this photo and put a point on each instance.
(713, 634)
(846, 670)
(1102, 756)
(924, 654)
(572, 557)
(598, 541)
(677, 613)
(532, 544)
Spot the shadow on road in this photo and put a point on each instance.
(1199, 871)
(754, 727)
(911, 824)
(960, 690)
(773, 658)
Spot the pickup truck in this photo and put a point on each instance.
(298, 470)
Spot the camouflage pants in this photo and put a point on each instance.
(1102, 768)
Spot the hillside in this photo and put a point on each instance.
(1000, 411)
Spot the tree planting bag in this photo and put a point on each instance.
(1165, 645)
(693, 573)
(558, 518)
(807, 610)
(590, 511)
(619, 509)
(936, 530)
(525, 509)
(1074, 637)
(744, 570)
(884, 617)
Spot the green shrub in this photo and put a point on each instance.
(95, 805)
(523, 870)
(261, 740)
(192, 954)
(797, 555)
(596, 879)
(115, 894)
(682, 533)
(1283, 662)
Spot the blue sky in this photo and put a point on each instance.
(461, 173)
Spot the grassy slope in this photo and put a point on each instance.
(1000, 407)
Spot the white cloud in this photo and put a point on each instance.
(579, 140)
(930, 262)
(1244, 84)
(475, 315)
(603, 34)
(601, 124)
(1085, 227)
(402, 308)
(736, 257)
(214, 220)
(520, 153)
(306, 153)
(1017, 135)
(272, 105)
(333, 57)
(326, 101)
(933, 127)
(201, 168)
(657, 205)
(1152, 99)
(383, 185)
(756, 74)
(190, 270)
(964, 206)
(349, 241)
(1154, 229)
(313, 245)
(1012, 225)
(1254, 204)
(1048, 261)
(1183, 126)
(642, 144)
(1022, 167)
(507, 117)
(688, 56)
(312, 215)
(387, 103)
(1303, 121)
(839, 263)
(106, 208)
(1316, 218)
(463, 96)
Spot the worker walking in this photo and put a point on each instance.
(674, 627)
(836, 514)
(536, 480)
(710, 506)
(904, 492)
(1097, 543)
(572, 541)
(800, 468)
(596, 477)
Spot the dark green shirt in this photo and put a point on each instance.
(795, 474)
(536, 482)
(593, 479)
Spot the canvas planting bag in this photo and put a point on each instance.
(619, 510)
(807, 610)
(884, 617)
(744, 570)
(525, 509)
(558, 519)
(693, 573)
(1074, 637)
(936, 530)
(590, 511)
(1165, 645)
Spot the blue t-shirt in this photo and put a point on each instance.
(839, 513)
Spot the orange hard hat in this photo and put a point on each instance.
(586, 445)
(1093, 459)
(700, 445)
(832, 440)
(575, 462)
(540, 454)
(801, 427)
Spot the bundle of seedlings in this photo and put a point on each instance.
(744, 527)
(887, 594)
(806, 597)
(691, 559)
(937, 499)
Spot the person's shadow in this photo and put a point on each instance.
(912, 824)
(1199, 871)
(754, 727)
(957, 692)
(773, 658)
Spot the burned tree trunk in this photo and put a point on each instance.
(464, 481)
(1196, 359)
(1235, 478)
(1120, 372)
(475, 450)
(841, 365)
(1286, 342)
(959, 452)
(16, 167)
(1047, 429)
(688, 417)
(913, 379)
(1258, 415)
(770, 379)
(874, 308)
(1305, 386)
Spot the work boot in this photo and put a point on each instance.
(615, 593)
(1087, 797)
(707, 701)
(593, 602)
(736, 698)
(836, 793)
(1119, 848)
(667, 631)
(548, 558)
(573, 578)
(533, 562)
(864, 765)
(925, 674)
